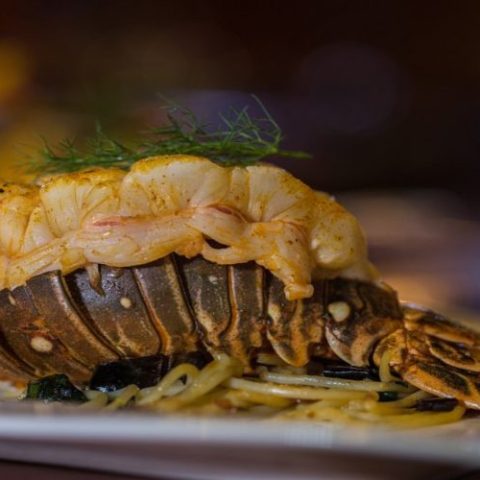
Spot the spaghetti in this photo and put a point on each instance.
(274, 390)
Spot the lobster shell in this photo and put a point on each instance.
(70, 324)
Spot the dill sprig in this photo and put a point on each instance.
(241, 139)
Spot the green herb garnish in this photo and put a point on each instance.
(240, 140)
(55, 388)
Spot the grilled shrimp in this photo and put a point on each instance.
(174, 204)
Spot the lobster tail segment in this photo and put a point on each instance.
(359, 315)
(442, 357)
(296, 329)
(45, 333)
(439, 379)
(228, 305)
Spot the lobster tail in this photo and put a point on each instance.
(70, 324)
(57, 324)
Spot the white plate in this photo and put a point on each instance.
(219, 448)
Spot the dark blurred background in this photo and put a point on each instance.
(385, 95)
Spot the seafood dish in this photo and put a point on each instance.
(184, 285)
